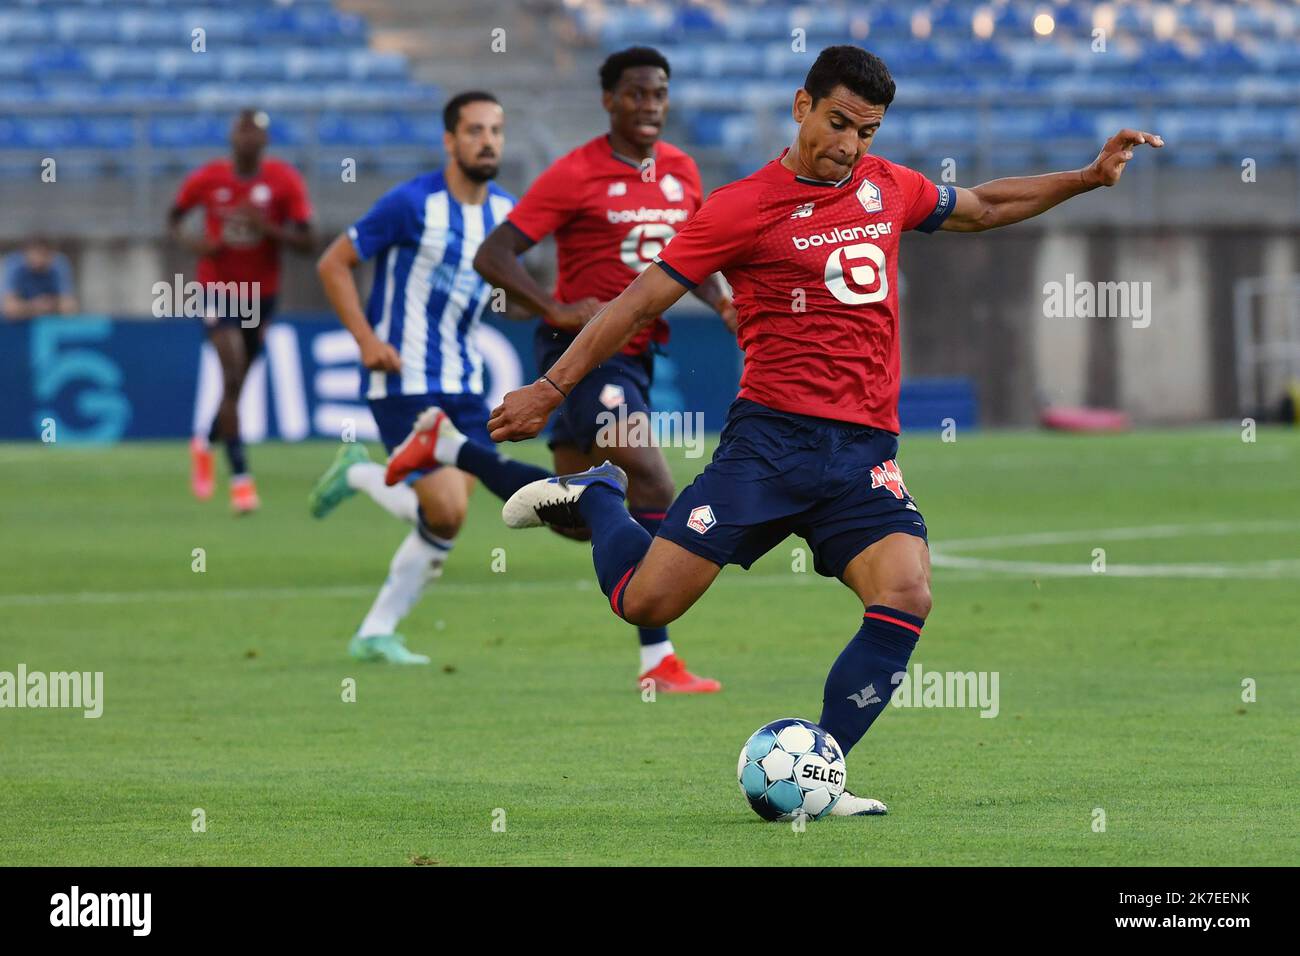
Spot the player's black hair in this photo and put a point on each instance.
(858, 71)
(612, 69)
(451, 112)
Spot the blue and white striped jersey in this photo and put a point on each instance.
(427, 299)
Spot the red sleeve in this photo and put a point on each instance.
(713, 239)
(548, 204)
(193, 190)
(927, 205)
(297, 204)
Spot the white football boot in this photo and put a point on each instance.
(851, 805)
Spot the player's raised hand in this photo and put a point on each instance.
(379, 356)
(523, 412)
(1106, 169)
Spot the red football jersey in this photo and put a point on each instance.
(814, 271)
(610, 219)
(276, 189)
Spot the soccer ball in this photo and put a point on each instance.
(791, 768)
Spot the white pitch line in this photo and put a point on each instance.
(349, 591)
(1257, 569)
(1116, 534)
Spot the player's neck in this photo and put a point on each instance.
(464, 190)
(627, 149)
(246, 167)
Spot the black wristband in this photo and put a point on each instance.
(554, 386)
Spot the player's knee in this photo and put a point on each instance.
(911, 596)
(646, 608)
(444, 521)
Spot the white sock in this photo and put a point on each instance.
(398, 500)
(652, 655)
(416, 563)
(447, 447)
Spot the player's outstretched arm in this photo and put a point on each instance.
(1004, 201)
(523, 412)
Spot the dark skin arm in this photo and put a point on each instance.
(524, 411)
(497, 261)
(1006, 201)
(199, 245)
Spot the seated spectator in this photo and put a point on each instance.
(36, 281)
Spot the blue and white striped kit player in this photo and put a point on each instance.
(426, 301)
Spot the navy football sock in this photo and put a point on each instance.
(500, 475)
(650, 520)
(235, 455)
(618, 543)
(860, 682)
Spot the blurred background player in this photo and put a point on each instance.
(417, 339)
(611, 204)
(252, 206)
(37, 281)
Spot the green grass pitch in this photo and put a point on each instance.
(1120, 692)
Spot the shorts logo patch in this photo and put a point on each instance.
(869, 196)
(888, 475)
(611, 396)
(701, 519)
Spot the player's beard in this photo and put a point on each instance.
(480, 172)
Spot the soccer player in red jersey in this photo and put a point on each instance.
(810, 443)
(252, 206)
(612, 205)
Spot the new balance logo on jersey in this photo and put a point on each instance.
(865, 696)
(872, 230)
(701, 519)
(802, 212)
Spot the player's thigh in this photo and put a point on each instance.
(895, 572)
(569, 459)
(666, 583)
(444, 499)
(231, 351)
(649, 480)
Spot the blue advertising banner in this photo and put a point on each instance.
(101, 379)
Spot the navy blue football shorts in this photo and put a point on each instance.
(623, 380)
(836, 485)
(396, 416)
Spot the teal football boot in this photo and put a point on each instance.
(383, 648)
(332, 488)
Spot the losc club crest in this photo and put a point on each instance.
(701, 519)
(672, 189)
(888, 475)
(869, 196)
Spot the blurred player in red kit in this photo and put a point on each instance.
(252, 206)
